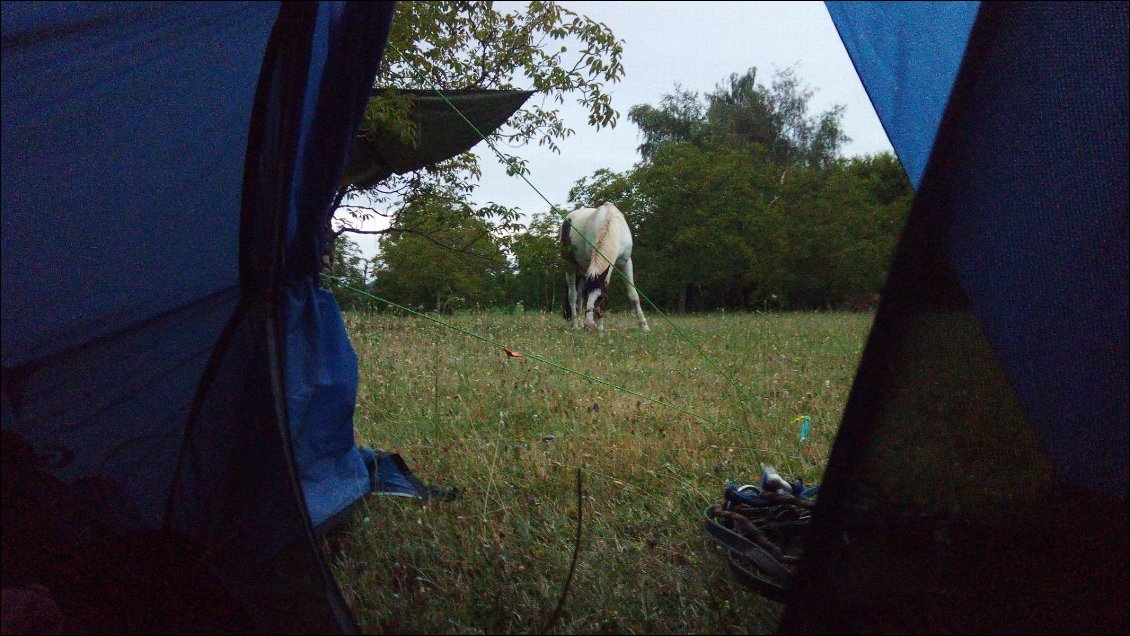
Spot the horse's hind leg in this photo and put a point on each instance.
(571, 308)
(633, 295)
(604, 300)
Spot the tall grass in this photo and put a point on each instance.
(512, 433)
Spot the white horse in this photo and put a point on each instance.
(588, 271)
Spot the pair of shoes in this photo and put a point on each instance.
(763, 531)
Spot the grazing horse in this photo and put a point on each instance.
(588, 271)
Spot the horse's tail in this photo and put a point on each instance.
(606, 245)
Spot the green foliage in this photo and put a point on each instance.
(390, 112)
(346, 269)
(608, 186)
(699, 242)
(539, 280)
(461, 45)
(741, 201)
(841, 230)
(678, 118)
(744, 112)
(449, 258)
(472, 45)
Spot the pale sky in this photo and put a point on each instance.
(696, 45)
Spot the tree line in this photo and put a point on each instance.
(741, 201)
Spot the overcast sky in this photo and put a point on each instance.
(696, 45)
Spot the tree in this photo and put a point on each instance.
(742, 201)
(347, 272)
(608, 186)
(680, 117)
(452, 260)
(777, 119)
(471, 45)
(774, 118)
(707, 233)
(539, 281)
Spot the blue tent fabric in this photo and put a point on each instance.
(122, 118)
(391, 475)
(321, 366)
(322, 391)
(134, 392)
(83, 276)
(907, 54)
(980, 466)
(1039, 224)
(1039, 234)
(121, 200)
(167, 172)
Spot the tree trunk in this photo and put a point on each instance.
(681, 303)
(331, 248)
(331, 236)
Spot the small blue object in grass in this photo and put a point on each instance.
(804, 423)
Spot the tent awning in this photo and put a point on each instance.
(441, 132)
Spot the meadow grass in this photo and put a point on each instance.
(513, 432)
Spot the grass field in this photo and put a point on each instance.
(513, 432)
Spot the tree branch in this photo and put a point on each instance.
(429, 237)
(371, 209)
(484, 58)
(396, 190)
(353, 230)
(340, 196)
